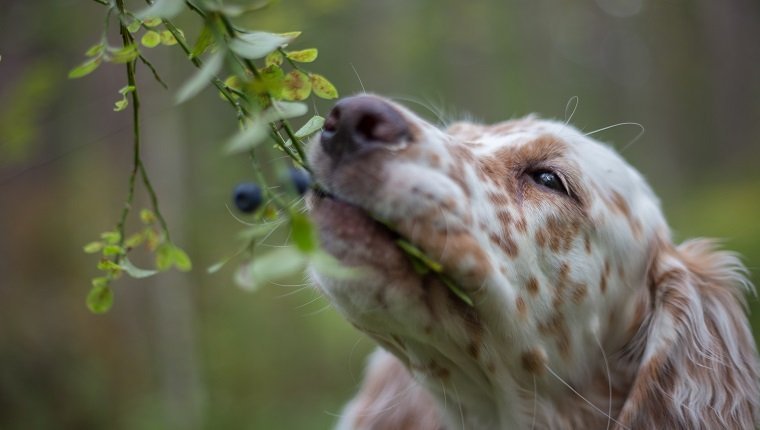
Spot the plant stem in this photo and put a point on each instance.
(126, 39)
(137, 164)
(241, 111)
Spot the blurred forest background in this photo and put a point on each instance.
(191, 351)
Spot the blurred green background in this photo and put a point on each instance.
(192, 351)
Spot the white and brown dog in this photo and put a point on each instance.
(585, 315)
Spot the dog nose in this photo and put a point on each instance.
(361, 122)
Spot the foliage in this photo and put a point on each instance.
(266, 85)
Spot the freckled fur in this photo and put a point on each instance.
(584, 291)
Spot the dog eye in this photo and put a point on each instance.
(549, 180)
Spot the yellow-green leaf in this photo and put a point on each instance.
(93, 247)
(150, 39)
(205, 40)
(134, 26)
(322, 87)
(270, 81)
(153, 21)
(147, 216)
(111, 250)
(100, 299)
(85, 68)
(303, 56)
(125, 54)
(120, 105)
(303, 233)
(273, 59)
(296, 86)
(134, 240)
(94, 50)
(181, 260)
(167, 38)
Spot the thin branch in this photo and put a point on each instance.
(154, 71)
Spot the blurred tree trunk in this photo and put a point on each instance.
(172, 293)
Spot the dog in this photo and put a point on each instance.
(581, 313)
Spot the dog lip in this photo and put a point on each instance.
(331, 212)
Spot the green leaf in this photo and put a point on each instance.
(181, 259)
(313, 125)
(100, 299)
(111, 250)
(303, 56)
(126, 89)
(168, 255)
(95, 50)
(259, 230)
(85, 68)
(120, 105)
(134, 240)
(322, 87)
(135, 271)
(153, 21)
(248, 138)
(274, 58)
(124, 54)
(150, 39)
(270, 267)
(328, 265)
(168, 39)
(205, 40)
(93, 247)
(303, 233)
(109, 266)
(134, 26)
(217, 266)
(286, 110)
(232, 11)
(258, 44)
(269, 81)
(164, 257)
(163, 9)
(296, 86)
(201, 78)
(111, 237)
(147, 216)
(101, 281)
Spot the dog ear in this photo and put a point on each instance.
(699, 365)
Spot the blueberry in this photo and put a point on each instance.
(247, 197)
(300, 178)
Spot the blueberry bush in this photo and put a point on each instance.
(265, 83)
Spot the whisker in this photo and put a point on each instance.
(634, 140)
(596, 408)
(358, 78)
(576, 101)
(535, 403)
(459, 403)
(609, 381)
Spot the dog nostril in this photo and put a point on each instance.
(331, 123)
(362, 122)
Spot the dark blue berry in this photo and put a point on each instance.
(301, 179)
(247, 197)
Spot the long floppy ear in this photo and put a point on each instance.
(699, 364)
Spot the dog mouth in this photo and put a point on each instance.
(356, 237)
